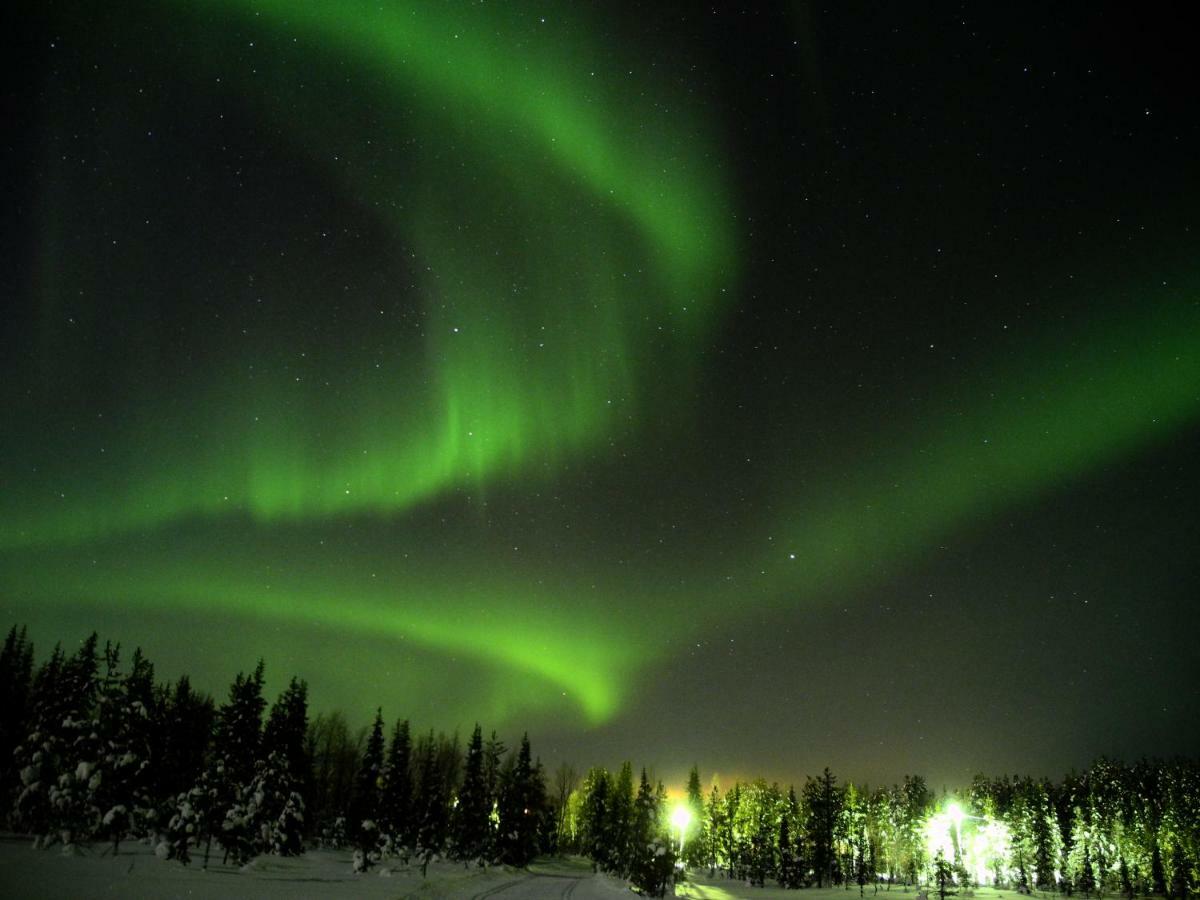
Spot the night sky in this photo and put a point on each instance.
(762, 388)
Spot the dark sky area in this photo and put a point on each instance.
(766, 388)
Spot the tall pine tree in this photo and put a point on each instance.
(522, 803)
(396, 801)
(16, 671)
(364, 808)
(471, 820)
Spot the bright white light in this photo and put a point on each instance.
(955, 812)
(681, 817)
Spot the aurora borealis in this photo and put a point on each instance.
(626, 375)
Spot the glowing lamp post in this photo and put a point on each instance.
(681, 819)
(956, 814)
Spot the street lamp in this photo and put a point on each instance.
(956, 814)
(681, 819)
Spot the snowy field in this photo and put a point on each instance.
(27, 874)
(700, 887)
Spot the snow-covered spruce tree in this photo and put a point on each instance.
(239, 828)
(732, 845)
(714, 828)
(333, 835)
(207, 801)
(124, 724)
(279, 782)
(265, 816)
(759, 823)
(824, 800)
(218, 799)
(16, 671)
(184, 829)
(269, 815)
(36, 757)
(396, 816)
(74, 817)
(652, 860)
(239, 738)
(471, 818)
(364, 806)
(186, 721)
(789, 873)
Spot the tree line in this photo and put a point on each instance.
(1128, 830)
(94, 749)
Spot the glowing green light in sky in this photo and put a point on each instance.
(1015, 433)
(569, 241)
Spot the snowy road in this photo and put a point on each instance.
(27, 874)
(534, 887)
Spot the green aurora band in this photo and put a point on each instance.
(604, 269)
(563, 342)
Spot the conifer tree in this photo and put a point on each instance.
(183, 829)
(714, 828)
(276, 794)
(186, 720)
(916, 801)
(694, 842)
(1086, 881)
(471, 814)
(652, 863)
(286, 728)
(731, 846)
(1181, 884)
(364, 809)
(1158, 877)
(620, 820)
(187, 723)
(1126, 879)
(791, 871)
(274, 808)
(240, 743)
(220, 803)
(431, 799)
(1043, 853)
(125, 727)
(36, 757)
(493, 755)
(74, 816)
(596, 800)
(824, 802)
(397, 796)
(16, 670)
(942, 874)
(521, 805)
(335, 756)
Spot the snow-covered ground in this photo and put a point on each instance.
(700, 887)
(28, 874)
